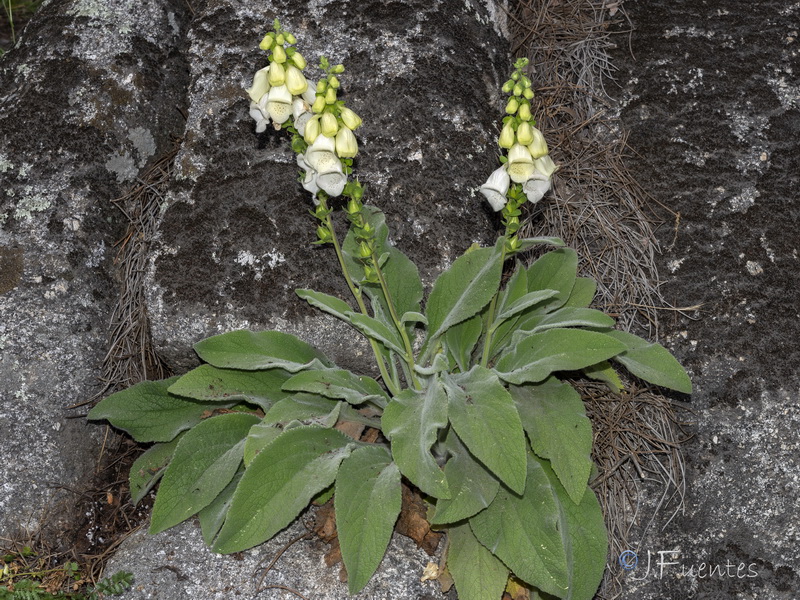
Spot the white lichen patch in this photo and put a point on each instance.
(743, 201)
(5, 164)
(32, 202)
(123, 166)
(143, 143)
(674, 265)
(770, 252)
(258, 264)
(754, 268)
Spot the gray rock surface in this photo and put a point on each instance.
(712, 102)
(86, 100)
(163, 570)
(236, 238)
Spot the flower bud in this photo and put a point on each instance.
(338, 69)
(524, 111)
(333, 81)
(524, 133)
(322, 85)
(324, 234)
(292, 40)
(518, 90)
(538, 147)
(260, 85)
(512, 106)
(515, 76)
(506, 136)
(353, 207)
(277, 74)
(295, 81)
(279, 54)
(496, 188)
(350, 119)
(364, 251)
(267, 42)
(280, 40)
(520, 164)
(299, 61)
(319, 104)
(328, 125)
(311, 129)
(330, 96)
(508, 86)
(527, 93)
(346, 144)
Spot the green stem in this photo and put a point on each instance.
(409, 357)
(490, 317)
(393, 386)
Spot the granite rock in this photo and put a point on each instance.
(712, 104)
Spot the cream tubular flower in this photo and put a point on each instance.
(545, 166)
(346, 144)
(350, 119)
(279, 104)
(328, 125)
(309, 175)
(520, 164)
(277, 74)
(496, 188)
(260, 85)
(536, 188)
(322, 158)
(301, 114)
(260, 118)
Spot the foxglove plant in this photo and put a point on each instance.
(478, 417)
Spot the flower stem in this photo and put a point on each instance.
(490, 328)
(409, 357)
(392, 385)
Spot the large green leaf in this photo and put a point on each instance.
(651, 362)
(463, 290)
(385, 333)
(484, 417)
(367, 501)
(310, 409)
(460, 340)
(209, 383)
(149, 413)
(471, 486)
(554, 417)
(259, 437)
(149, 467)
(204, 462)
(250, 351)
(477, 573)
(555, 270)
(569, 316)
(546, 539)
(213, 516)
(585, 539)
(540, 354)
(330, 304)
(582, 293)
(279, 483)
(412, 421)
(523, 532)
(338, 383)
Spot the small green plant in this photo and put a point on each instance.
(14, 13)
(17, 584)
(473, 407)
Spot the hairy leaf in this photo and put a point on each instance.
(250, 351)
(582, 293)
(478, 574)
(412, 421)
(386, 334)
(367, 501)
(281, 481)
(471, 486)
(310, 409)
(555, 270)
(213, 516)
(460, 340)
(651, 362)
(484, 417)
(333, 383)
(149, 413)
(149, 467)
(209, 383)
(463, 290)
(259, 437)
(204, 462)
(569, 316)
(330, 304)
(540, 354)
(554, 417)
